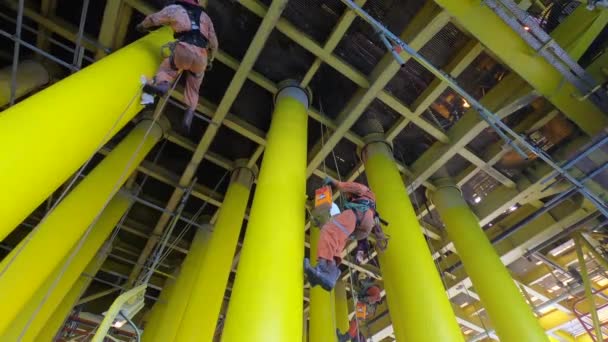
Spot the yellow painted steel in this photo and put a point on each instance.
(510, 48)
(513, 322)
(203, 309)
(165, 325)
(419, 306)
(158, 310)
(40, 308)
(341, 300)
(30, 75)
(56, 320)
(64, 226)
(322, 314)
(59, 128)
(579, 30)
(266, 300)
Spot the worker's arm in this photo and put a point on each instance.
(351, 187)
(212, 37)
(166, 16)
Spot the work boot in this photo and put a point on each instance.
(326, 273)
(159, 89)
(187, 121)
(342, 337)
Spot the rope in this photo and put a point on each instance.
(186, 229)
(157, 113)
(71, 183)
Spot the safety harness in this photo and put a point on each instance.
(360, 206)
(194, 35)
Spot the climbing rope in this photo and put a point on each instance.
(183, 232)
(157, 113)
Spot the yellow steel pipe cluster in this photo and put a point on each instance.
(200, 317)
(165, 322)
(266, 300)
(54, 239)
(50, 297)
(71, 118)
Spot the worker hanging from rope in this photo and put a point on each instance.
(369, 295)
(356, 222)
(193, 51)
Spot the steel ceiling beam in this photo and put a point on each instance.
(428, 22)
(510, 48)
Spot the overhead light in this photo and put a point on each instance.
(468, 332)
(477, 199)
(538, 263)
(526, 28)
(561, 249)
(464, 304)
(490, 224)
(119, 323)
(555, 288)
(513, 208)
(465, 104)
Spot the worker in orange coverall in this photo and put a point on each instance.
(357, 221)
(369, 296)
(192, 52)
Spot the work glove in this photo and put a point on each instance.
(328, 181)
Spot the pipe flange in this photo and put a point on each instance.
(293, 86)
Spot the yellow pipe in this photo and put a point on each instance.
(56, 320)
(266, 300)
(492, 281)
(588, 288)
(61, 230)
(154, 319)
(30, 76)
(60, 127)
(419, 307)
(322, 319)
(201, 314)
(42, 305)
(165, 326)
(342, 321)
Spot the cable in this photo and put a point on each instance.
(157, 113)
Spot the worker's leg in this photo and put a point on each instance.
(193, 84)
(332, 240)
(165, 75)
(193, 61)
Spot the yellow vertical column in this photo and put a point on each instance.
(419, 307)
(61, 312)
(341, 300)
(60, 127)
(201, 314)
(63, 228)
(163, 327)
(492, 281)
(322, 321)
(40, 308)
(270, 273)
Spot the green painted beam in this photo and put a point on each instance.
(576, 33)
(510, 48)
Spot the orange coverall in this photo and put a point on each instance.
(186, 57)
(373, 296)
(336, 231)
